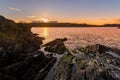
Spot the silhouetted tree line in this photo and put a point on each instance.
(57, 25)
(66, 25)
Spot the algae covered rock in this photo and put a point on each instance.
(100, 63)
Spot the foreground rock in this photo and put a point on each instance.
(96, 62)
(19, 55)
(56, 46)
(29, 68)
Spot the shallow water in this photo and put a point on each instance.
(77, 37)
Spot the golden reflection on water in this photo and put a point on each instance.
(108, 36)
(45, 32)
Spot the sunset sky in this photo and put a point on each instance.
(75, 11)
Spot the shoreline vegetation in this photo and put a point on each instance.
(22, 58)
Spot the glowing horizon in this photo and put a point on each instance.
(96, 22)
(72, 11)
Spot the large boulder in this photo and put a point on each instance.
(56, 46)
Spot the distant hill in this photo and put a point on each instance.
(58, 25)
(112, 25)
(27, 26)
(68, 25)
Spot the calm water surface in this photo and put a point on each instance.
(78, 37)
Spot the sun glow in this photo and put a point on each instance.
(44, 20)
(45, 32)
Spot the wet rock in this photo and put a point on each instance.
(64, 69)
(43, 72)
(101, 66)
(56, 46)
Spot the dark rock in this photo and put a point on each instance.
(42, 73)
(97, 48)
(19, 55)
(1, 51)
(19, 37)
(104, 65)
(102, 48)
(2, 18)
(38, 57)
(56, 46)
(30, 67)
(6, 77)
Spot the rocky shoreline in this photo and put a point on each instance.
(20, 54)
(21, 57)
(96, 62)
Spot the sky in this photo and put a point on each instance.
(74, 11)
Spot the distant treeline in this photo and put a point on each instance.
(111, 25)
(67, 25)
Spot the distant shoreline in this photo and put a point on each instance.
(75, 27)
(67, 25)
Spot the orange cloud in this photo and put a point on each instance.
(117, 20)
